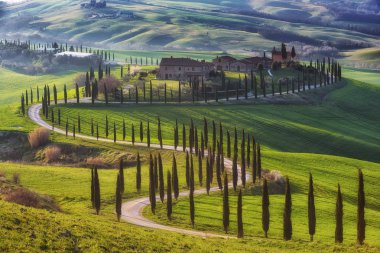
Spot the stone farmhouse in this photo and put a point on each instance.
(183, 68)
(277, 56)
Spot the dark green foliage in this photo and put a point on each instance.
(169, 207)
(155, 167)
(55, 94)
(226, 205)
(200, 170)
(218, 170)
(265, 216)
(106, 127)
(23, 105)
(258, 161)
(161, 178)
(159, 133)
(133, 134)
(192, 209)
(213, 135)
(124, 130)
(242, 156)
(97, 131)
(141, 131)
(205, 132)
(176, 135)
(339, 217)
(175, 178)
(96, 191)
(77, 92)
(234, 171)
(121, 173)
(311, 208)
(148, 135)
(138, 173)
(287, 224)
(187, 170)
(152, 187)
(361, 205)
(118, 197)
(239, 214)
(208, 176)
(228, 144)
(183, 138)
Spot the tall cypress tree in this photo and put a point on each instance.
(121, 173)
(213, 135)
(175, 178)
(23, 105)
(114, 132)
(218, 170)
(200, 170)
(118, 197)
(242, 154)
(361, 205)
(92, 188)
(288, 229)
(106, 127)
(169, 208)
(141, 132)
(254, 163)
(258, 161)
(152, 187)
(228, 144)
(96, 191)
(159, 133)
(124, 131)
(138, 173)
(311, 208)
(339, 217)
(161, 178)
(265, 208)
(205, 132)
(148, 135)
(155, 167)
(191, 200)
(240, 216)
(77, 92)
(55, 94)
(208, 177)
(183, 138)
(226, 205)
(187, 170)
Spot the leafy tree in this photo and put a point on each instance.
(265, 208)
(311, 208)
(288, 229)
(226, 205)
(138, 173)
(240, 216)
(175, 178)
(169, 207)
(361, 205)
(339, 217)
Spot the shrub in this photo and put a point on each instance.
(16, 178)
(110, 82)
(26, 197)
(52, 153)
(38, 137)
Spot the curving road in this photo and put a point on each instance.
(132, 210)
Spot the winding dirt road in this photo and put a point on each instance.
(132, 209)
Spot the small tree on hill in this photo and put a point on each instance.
(265, 208)
(288, 229)
(311, 208)
(175, 178)
(161, 178)
(240, 216)
(169, 204)
(226, 205)
(121, 173)
(152, 187)
(118, 197)
(96, 191)
(361, 205)
(339, 217)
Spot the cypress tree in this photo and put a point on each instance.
(59, 116)
(161, 178)
(118, 197)
(114, 132)
(38, 94)
(97, 131)
(192, 209)
(218, 170)
(67, 127)
(339, 217)
(183, 138)
(150, 92)
(77, 92)
(205, 132)
(141, 132)
(92, 189)
(254, 163)
(226, 205)
(242, 154)
(106, 128)
(288, 229)
(265, 209)
(155, 167)
(124, 132)
(55, 94)
(208, 176)
(258, 161)
(48, 95)
(23, 105)
(121, 173)
(361, 205)
(200, 170)
(240, 216)
(248, 156)
(148, 135)
(228, 144)
(152, 187)
(234, 171)
(73, 130)
(175, 178)
(133, 134)
(79, 126)
(196, 144)
(138, 173)
(96, 191)
(31, 95)
(169, 207)
(311, 209)
(213, 135)
(159, 133)
(176, 137)
(187, 170)
(202, 145)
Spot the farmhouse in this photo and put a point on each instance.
(223, 62)
(277, 56)
(183, 68)
(250, 64)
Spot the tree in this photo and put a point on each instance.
(64, 93)
(339, 217)
(55, 94)
(213, 135)
(284, 53)
(240, 216)
(124, 131)
(96, 191)
(311, 208)
(258, 161)
(226, 205)
(106, 127)
(148, 135)
(169, 207)
(208, 176)
(242, 154)
(187, 170)
(141, 131)
(155, 167)
(175, 178)
(92, 188)
(228, 144)
(218, 170)
(77, 92)
(265, 208)
(138, 173)
(161, 178)
(234, 171)
(152, 187)
(293, 53)
(118, 197)
(114, 132)
(192, 210)
(159, 133)
(361, 205)
(133, 134)
(205, 132)
(121, 173)
(23, 105)
(176, 137)
(183, 138)
(288, 229)
(200, 170)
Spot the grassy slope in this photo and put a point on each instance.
(327, 172)
(344, 124)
